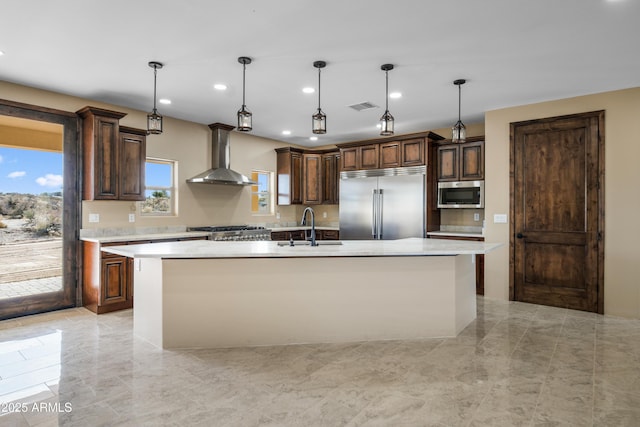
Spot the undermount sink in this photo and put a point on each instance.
(308, 243)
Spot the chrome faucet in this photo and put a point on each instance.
(313, 224)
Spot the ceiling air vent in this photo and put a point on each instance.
(363, 106)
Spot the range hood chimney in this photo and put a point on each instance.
(220, 172)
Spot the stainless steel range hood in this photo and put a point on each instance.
(220, 172)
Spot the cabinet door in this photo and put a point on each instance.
(448, 162)
(350, 158)
(312, 178)
(330, 234)
(289, 180)
(106, 159)
(472, 161)
(369, 156)
(330, 178)
(132, 165)
(390, 156)
(114, 281)
(412, 151)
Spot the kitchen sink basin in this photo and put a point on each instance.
(308, 243)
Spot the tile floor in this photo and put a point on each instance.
(515, 365)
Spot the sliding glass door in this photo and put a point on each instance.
(39, 209)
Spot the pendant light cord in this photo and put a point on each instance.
(319, 69)
(244, 69)
(155, 78)
(459, 100)
(386, 74)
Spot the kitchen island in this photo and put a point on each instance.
(226, 294)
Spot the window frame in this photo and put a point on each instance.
(173, 189)
(270, 193)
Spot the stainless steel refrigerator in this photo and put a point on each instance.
(382, 204)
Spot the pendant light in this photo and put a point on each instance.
(459, 131)
(319, 119)
(154, 120)
(386, 121)
(244, 115)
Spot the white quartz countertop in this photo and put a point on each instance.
(271, 249)
(149, 236)
(454, 234)
(303, 227)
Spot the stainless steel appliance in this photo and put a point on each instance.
(235, 232)
(461, 194)
(382, 203)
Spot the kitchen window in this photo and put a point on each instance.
(160, 188)
(262, 193)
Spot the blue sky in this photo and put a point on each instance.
(30, 171)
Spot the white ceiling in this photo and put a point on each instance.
(512, 52)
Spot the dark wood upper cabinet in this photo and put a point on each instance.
(369, 156)
(312, 178)
(331, 178)
(472, 161)
(360, 157)
(114, 157)
(461, 162)
(132, 163)
(289, 179)
(100, 137)
(412, 151)
(390, 154)
(308, 177)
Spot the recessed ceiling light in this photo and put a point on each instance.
(313, 138)
(286, 132)
(220, 86)
(164, 101)
(395, 95)
(1, 53)
(308, 89)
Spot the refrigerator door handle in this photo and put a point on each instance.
(374, 214)
(380, 221)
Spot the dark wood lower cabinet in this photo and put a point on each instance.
(107, 279)
(479, 260)
(301, 235)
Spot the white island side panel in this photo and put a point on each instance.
(271, 301)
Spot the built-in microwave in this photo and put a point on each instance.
(461, 194)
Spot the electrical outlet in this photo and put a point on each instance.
(94, 217)
(324, 214)
(132, 217)
(476, 216)
(500, 218)
(277, 215)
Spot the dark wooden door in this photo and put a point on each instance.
(557, 211)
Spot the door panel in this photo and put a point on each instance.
(557, 212)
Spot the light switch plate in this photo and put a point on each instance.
(500, 218)
(137, 264)
(94, 217)
(476, 216)
(132, 217)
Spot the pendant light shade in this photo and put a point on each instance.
(459, 131)
(386, 121)
(244, 116)
(154, 120)
(319, 119)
